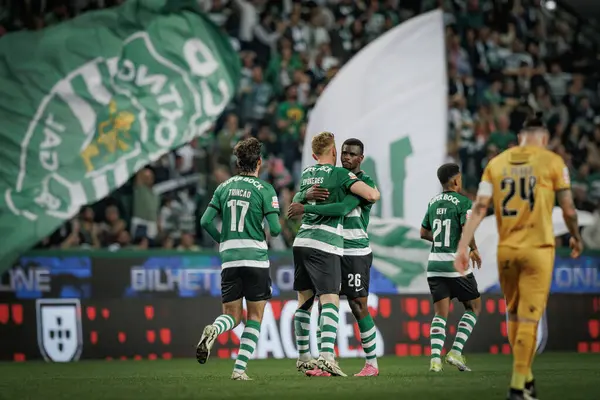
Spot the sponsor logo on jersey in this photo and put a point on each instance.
(351, 175)
(275, 202)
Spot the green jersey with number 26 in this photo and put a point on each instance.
(445, 217)
(243, 202)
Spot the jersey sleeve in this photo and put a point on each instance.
(270, 201)
(426, 224)
(371, 183)
(346, 178)
(465, 212)
(561, 179)
(368, 181)
(215, 202)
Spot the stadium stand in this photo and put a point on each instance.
(503, 61)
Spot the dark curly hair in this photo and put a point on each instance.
(446, 172)
(247, 153)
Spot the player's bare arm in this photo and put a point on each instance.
(479, 211)
(317, 193)
(426, 234)
(565, 201)
(474, 253)
(361, 189)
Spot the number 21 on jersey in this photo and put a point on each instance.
(440, 225)
(233, 205)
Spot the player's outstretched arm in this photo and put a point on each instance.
(340, 209)
(565, 201)
(274, 225)
(479, 211)
(361, 189)
(207, 223)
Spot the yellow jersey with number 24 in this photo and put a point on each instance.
(523, 182)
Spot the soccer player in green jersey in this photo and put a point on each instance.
(443, 223)
(358, 257)
(318, 250)
(242, 202)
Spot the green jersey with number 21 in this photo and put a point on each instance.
(445, 217)
(243, 202)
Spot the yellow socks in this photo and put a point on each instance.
(523, 346)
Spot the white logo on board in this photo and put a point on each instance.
(59, 329)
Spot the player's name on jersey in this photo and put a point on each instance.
(312, 181)
(240, 193)
(445, 197)
(248, 179)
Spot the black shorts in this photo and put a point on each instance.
(317, 270)
(463, 289)
(356, 271)
(250, 282)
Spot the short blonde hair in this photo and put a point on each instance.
(323, 142)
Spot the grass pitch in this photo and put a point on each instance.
(559, 377)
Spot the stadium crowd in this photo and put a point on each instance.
(503, 61)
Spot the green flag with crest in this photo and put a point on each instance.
(85, 104)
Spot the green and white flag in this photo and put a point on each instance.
(85, 104)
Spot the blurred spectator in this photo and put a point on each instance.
(144, 221)
(290, 115)
(277, 175)
(226, 140)
(187, 242)
(112, 227)
(90, 231)
(502, 138)
(168, 243)
(255, 97)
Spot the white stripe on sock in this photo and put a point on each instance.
(368, 333)
(325, 320)
(470, 317)
(252, 331)
(369, 344)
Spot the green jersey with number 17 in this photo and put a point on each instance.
(322, 232)
(445, 217)
(243, 202)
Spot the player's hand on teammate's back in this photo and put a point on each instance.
(295, 210)
(317, 193)
(461, 262)
(475, 258)
(576, 247)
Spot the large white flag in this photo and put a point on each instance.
(392, 96)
